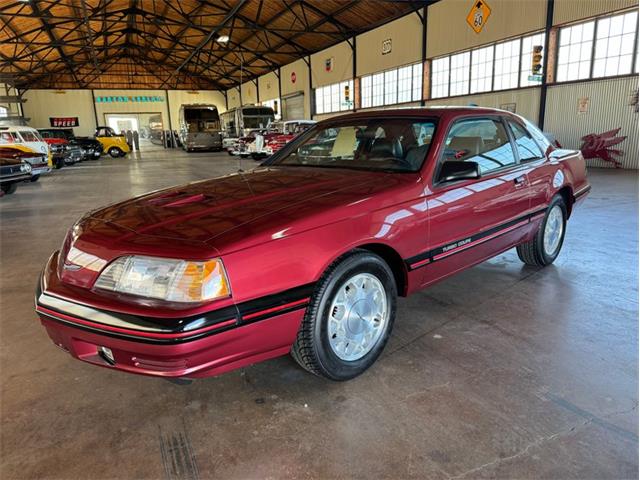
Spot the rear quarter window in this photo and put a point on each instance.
(535, 132)
(8, 137)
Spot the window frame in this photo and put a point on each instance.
(594, 39)
(371, 100)
(435, 183)
(520, 69)
(322, 90)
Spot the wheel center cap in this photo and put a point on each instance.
(358, 317)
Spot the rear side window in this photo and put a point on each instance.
(8, 137)
(528, 149)
(28, 136)
(481, 140)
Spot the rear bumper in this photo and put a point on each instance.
(192, 347)
(202, 143)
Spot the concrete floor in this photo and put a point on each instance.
(502, 371)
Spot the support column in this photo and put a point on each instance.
(166, 96)
(425, 70)
(545, 66)
(354, 73)
(279, 75)
(95, 110)
(311, 98)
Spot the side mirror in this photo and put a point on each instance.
(454, 170)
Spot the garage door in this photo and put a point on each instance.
(293, 107)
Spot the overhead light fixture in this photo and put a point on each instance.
(223, 39)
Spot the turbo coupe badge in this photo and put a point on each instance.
(558, 179)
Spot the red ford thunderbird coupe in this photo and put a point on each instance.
(307, 253)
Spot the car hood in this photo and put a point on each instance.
(202, 211)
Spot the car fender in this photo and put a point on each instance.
(292, 261)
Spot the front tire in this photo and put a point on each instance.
(349, 318)
(547, 243)
(34, 178)
(9, 189)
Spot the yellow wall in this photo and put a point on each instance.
(342, 65)
(570, 10)
(527, 101)
(42, 104)
(448, 30)
(301, 84)
(248, 95)
(406, 45)
(268, 86)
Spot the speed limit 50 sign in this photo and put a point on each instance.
(478, 15)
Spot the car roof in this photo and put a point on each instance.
(432, 111)
(16, 128)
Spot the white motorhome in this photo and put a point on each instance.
(200, 127)
(237, 122)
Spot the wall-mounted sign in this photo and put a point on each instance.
(328, 65)
(293, 77)
(478, 15)
(126, 99)
(583, 105)
(386, 46)
(509, 107)
(633, 100)
(64, 121)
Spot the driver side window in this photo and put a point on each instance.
(481, 140)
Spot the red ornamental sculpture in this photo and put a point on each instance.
(599, 146)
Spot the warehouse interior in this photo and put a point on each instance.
(500, 371)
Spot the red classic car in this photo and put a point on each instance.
(307, 253)
(268, 143)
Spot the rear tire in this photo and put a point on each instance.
(115, 152)
(541, 252)
(349, 318)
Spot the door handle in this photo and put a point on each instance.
(520, 181)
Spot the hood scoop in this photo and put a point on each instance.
(177, 199)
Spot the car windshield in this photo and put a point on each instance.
(377, 144)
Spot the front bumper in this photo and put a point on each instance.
(40, 169)
(15, 178)
(233, 336)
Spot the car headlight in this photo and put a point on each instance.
(166, 279)
(25, 167)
